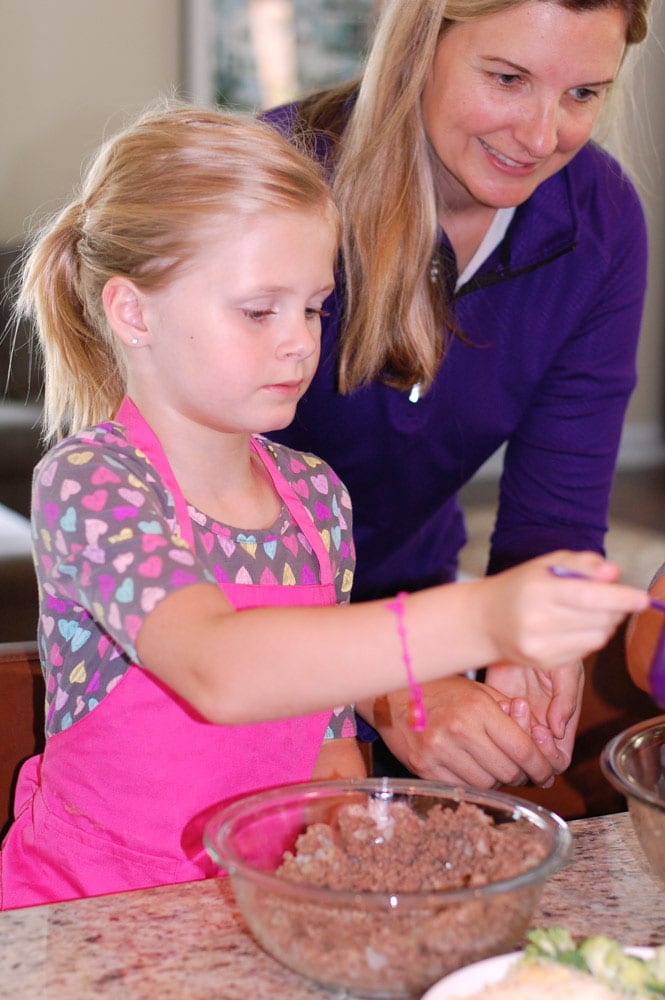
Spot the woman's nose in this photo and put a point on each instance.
(538, 130)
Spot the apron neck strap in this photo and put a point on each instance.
(144, 438)
(298, 511)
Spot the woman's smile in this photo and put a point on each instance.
(506, 161)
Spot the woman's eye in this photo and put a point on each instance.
(508, 79)
(583, 94)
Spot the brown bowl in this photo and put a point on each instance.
(385, 942)
(634, 763)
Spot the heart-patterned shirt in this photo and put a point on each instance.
(107, 551)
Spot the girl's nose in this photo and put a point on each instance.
(299, 341)
(538, 130)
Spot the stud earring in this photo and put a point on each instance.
(134, 341)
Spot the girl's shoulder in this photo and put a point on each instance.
(108, 435)
(80, 455)
(302, 467)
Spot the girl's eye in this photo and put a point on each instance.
(316, 312)
(258, 314)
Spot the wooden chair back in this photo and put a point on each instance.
(22, 707)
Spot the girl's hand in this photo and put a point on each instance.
(537, 619)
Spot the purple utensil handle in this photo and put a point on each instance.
(656, 679)
(571, 574)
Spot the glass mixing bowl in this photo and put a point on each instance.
(634, 763)
(386, 941)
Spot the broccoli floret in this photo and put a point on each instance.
(656, 972)
(602, 955)
(554, 943)
(604, 959)
(551, 940)
(609, 962)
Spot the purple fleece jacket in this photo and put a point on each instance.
(553, 316)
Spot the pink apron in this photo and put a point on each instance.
(118, 801)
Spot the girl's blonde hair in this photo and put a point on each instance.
(384, 186)
(138, 214)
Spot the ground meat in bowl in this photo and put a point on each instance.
(381, 847)
(409, 934)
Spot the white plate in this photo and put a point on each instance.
(472, 978)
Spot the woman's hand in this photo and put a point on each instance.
(469, 738)
(547, 705)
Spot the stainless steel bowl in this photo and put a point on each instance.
(387, 943)
(634, 763)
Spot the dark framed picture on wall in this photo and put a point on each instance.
(254, 54)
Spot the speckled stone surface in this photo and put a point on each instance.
(190, 942)
(607, 888)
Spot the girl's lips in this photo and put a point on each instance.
(286, 388)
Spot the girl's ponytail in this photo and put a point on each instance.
(82, 376)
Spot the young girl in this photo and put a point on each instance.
(178, 303)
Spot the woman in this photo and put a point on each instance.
(495, 271)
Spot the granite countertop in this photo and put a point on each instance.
(189, 941)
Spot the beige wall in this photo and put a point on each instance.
(71, 68)
(68, 70)
(646, 146)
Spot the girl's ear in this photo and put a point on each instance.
(123, 306)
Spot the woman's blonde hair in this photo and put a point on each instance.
(383, 182)
(138, 213)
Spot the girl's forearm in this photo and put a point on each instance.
(266, 663)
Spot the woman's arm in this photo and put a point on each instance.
(642, 634)
(579, 334)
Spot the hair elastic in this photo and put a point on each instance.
(417, 714)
